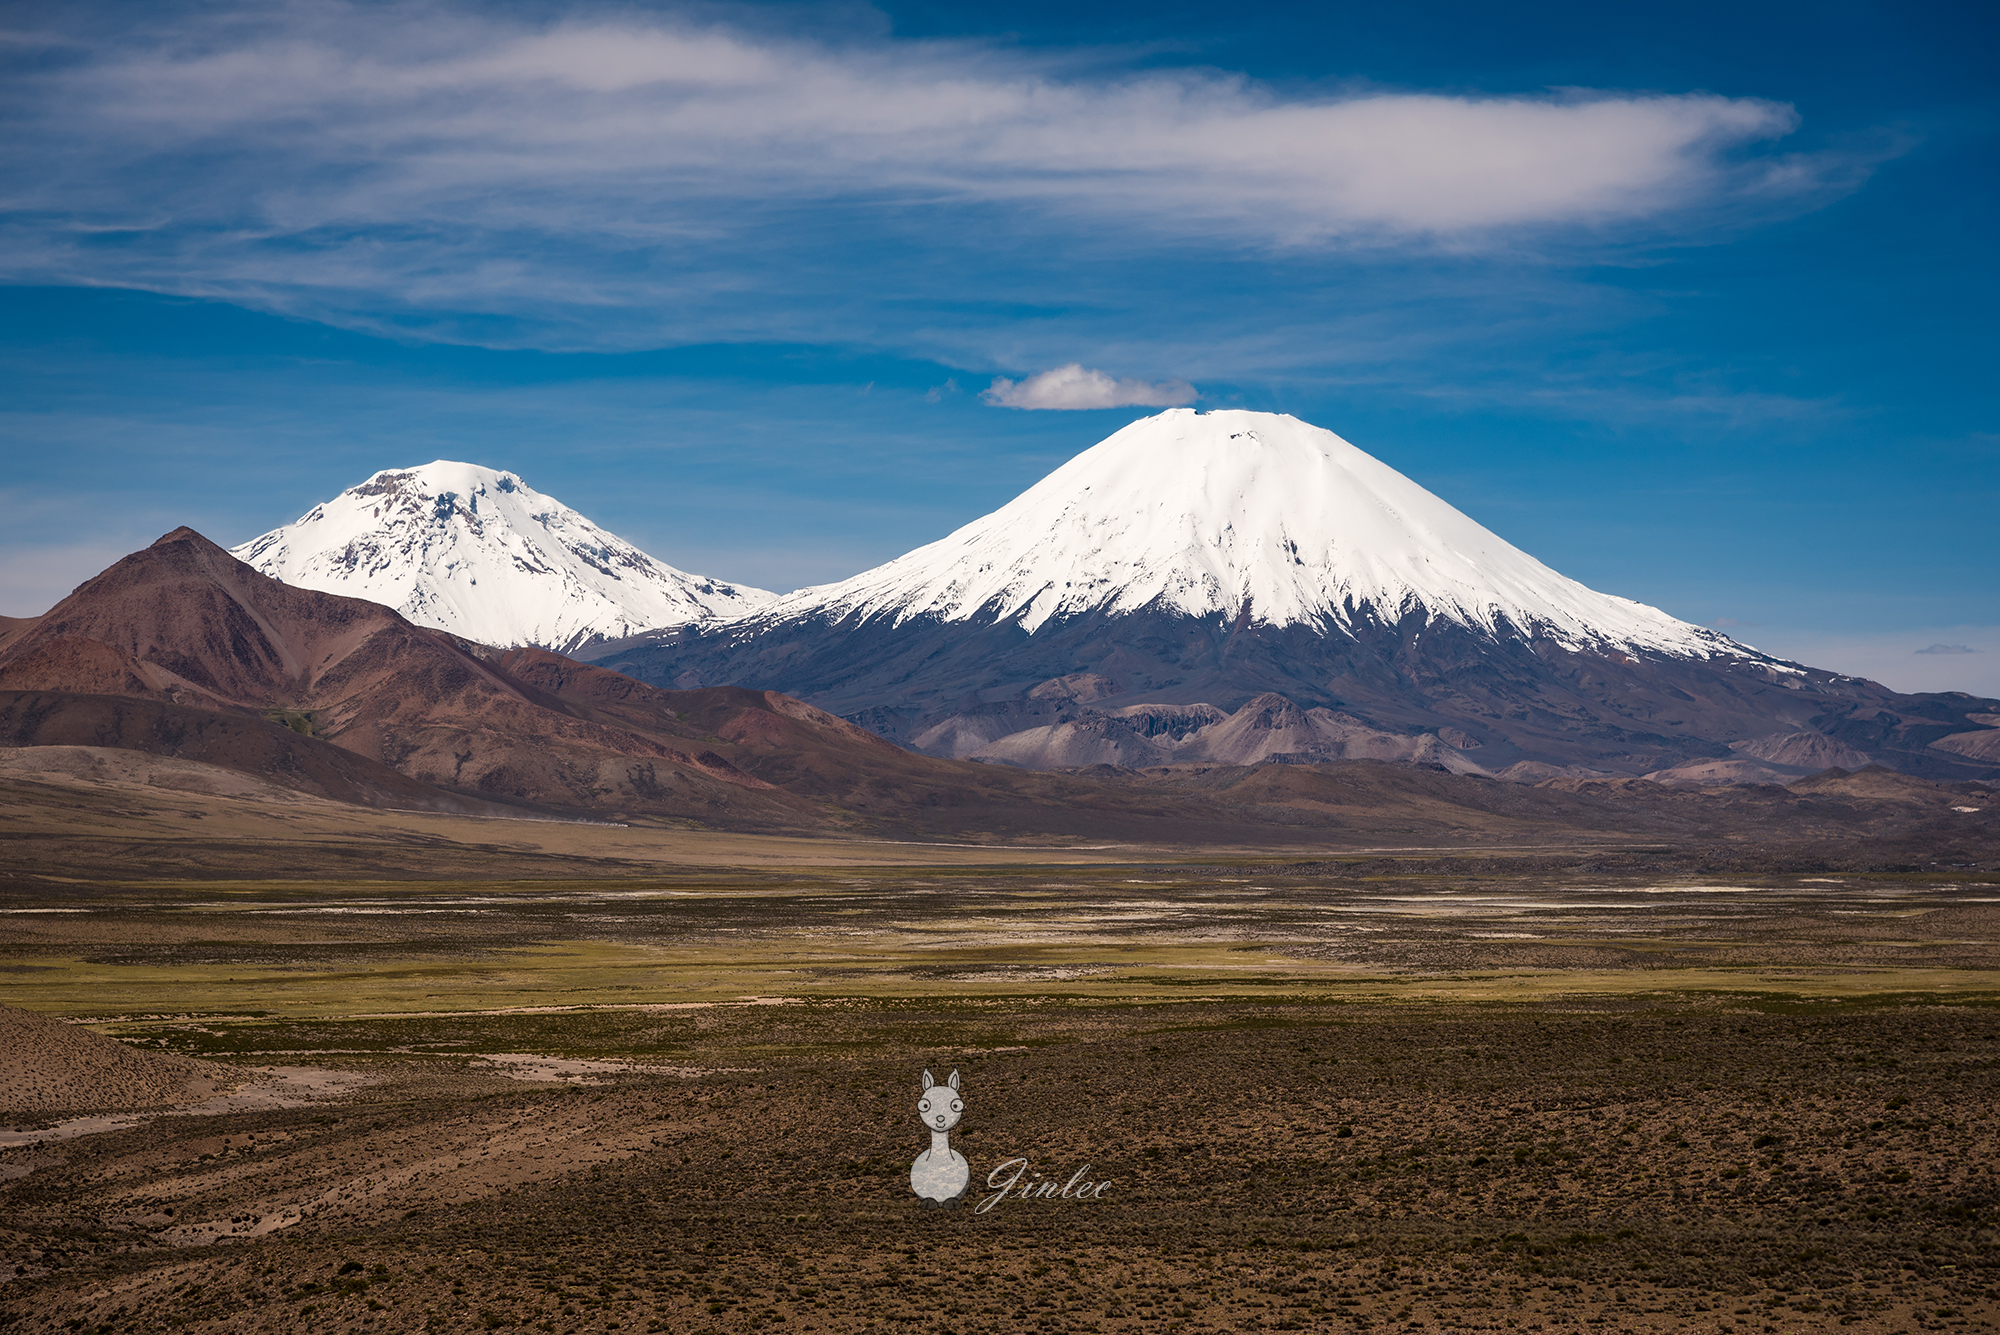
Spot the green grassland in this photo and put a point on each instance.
(264, 951)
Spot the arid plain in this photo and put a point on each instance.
(407, 1072)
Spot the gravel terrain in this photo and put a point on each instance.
(49, 1068)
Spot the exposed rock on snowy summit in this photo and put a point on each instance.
(1198, 561)
(479, 553)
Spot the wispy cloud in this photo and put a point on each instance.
(1077, 386)
(1618, 390)
(1948, 649)
(613, 178)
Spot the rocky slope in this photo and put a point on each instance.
(50, 1068)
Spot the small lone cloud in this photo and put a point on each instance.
(1077, 386)
(1949, 649)
(936, 393)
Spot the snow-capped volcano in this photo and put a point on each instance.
(1164, 580)
(1257, 517)
(479, 553)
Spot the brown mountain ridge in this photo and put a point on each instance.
(182, 650)
(197, 634)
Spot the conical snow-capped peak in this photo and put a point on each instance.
(477, 552)
(1245, 515)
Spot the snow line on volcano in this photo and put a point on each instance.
(1230, 512)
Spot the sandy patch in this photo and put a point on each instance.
(533, 1066)
(268, 1087)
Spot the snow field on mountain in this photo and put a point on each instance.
(1228, 513)
(1239, 513)
(477, 552)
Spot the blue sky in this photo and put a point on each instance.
(1694, 302)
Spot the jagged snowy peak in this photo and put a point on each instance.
(479, 553)
(1247, 515)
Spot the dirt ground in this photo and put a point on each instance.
(1388, 1094)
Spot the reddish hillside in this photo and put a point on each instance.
(183, 623)
(186, 622)
(238, 669)
(182, 650)
(241, 742)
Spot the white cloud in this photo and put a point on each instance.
(429, 167)
(419, 113)
(1077, 386)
